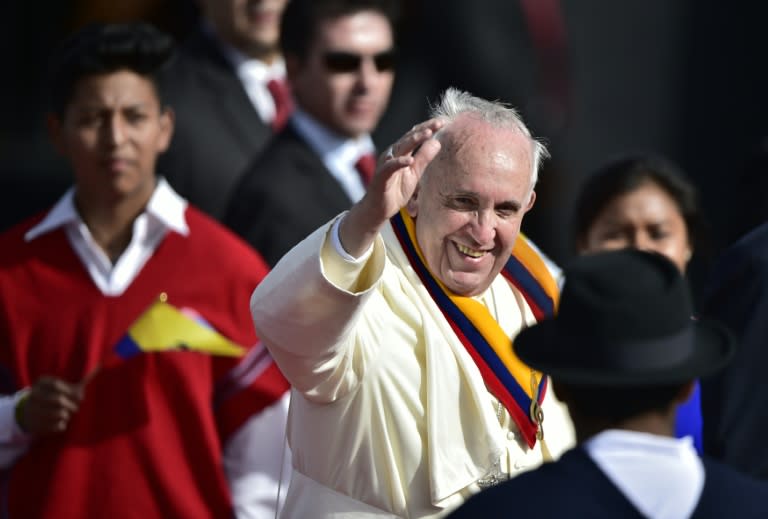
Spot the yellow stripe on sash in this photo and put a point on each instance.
(531, 258)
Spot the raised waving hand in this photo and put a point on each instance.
(398, 173)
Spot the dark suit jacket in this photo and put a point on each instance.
(574, 486)
(735, 400)
(283, 196)
(218, 131)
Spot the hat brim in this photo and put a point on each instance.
(566, 358)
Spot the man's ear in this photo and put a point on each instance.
(688, 254)
(531, 200)
(55, 129)
(167, 124)
(413, 204)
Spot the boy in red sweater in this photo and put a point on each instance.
(167, 434)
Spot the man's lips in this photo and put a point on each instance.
(116, 163)
(468, 251)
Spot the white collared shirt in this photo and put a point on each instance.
(164, 213)
(661, 476)
(339, 154)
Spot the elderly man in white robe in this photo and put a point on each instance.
(394, 324)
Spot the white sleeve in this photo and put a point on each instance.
(307, 311)
(257, 462)
(339, 247)
(13, 441)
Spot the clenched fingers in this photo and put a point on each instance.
(50, 405)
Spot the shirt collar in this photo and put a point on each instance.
(661, 476)
(254, 69)
(622, 438)
(327, 143)
(168, 207)
(245, 65)
(165, 206)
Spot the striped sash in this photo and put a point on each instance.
(515, 385)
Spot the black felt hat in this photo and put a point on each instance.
(624, 320)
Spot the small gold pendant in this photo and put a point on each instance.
(536, 412)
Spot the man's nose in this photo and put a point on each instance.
(484, 227)
(367, 73)
(115, 130)
(642, 241)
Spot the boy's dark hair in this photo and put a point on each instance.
(300, 19)
(616, 404)
(105, 48)
(626, 174)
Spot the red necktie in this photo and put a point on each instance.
(283, 103)
(366, 166)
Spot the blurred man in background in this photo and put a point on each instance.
(340, 60)
(228, 89)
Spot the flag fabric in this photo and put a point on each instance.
(163, 327)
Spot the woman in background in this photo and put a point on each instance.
(645, 202)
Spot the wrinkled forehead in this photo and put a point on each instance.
(470, 142)
(472, 129)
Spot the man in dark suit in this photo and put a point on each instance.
(339, 56)
(734, 402)
(228, 90)
(622, 352)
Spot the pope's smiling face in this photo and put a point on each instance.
(471, 201)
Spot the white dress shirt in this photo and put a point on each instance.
(254, 493)
(254, 75)
(661, 476)
(339, 154)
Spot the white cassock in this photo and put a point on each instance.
(390, 416)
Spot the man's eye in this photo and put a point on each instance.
(89, 119)
(135, 117)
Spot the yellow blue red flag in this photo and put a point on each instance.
(163, 327)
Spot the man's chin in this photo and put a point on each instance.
(468, 287)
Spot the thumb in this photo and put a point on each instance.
(425, 154)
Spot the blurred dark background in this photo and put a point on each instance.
(593, 78)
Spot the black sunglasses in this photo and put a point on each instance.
(340, 61)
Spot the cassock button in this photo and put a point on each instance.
(511, 436)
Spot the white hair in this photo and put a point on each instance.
(455, 102)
